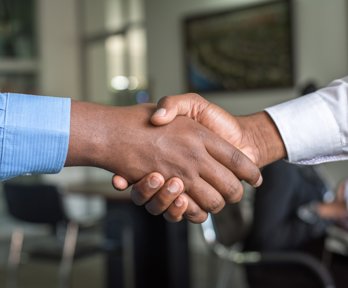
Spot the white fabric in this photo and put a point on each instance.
(314, 127)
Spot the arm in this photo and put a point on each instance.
(307, 130)
(122, 140)
(314, 127)
(34, 134)
(256, 136)
(337, 209)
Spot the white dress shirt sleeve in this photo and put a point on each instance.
(314, 127)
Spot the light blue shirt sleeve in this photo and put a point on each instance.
(34, 134)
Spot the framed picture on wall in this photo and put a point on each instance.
(244, 48)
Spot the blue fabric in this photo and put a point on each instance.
(34, 134)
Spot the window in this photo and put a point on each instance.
(113, 49)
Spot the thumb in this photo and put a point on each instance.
(167, 110)
(171, 106)
(119, 182)
(163, 115)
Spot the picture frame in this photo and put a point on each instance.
(238, 49)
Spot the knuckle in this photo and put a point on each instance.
(164, 101)
(194, 157)
(235, 192)
(137, 197)
(194, 96)
(171, 217)
(255, 176)
(237, 158)
(199, 218)
(198, 101)
(152, 209)
(162, 202)
(215, 205)
(195, 215)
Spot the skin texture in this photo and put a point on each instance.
(122, 140)
(255, 135)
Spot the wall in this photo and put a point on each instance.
(321, 52)
(321, 45)
(59, 66)
(58, 44)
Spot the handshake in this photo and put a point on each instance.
(185, 158)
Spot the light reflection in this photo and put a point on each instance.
(120, 82)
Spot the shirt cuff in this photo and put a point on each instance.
(34, 133)
(309, 130)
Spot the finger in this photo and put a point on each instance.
(206, 196)
(175, 212)
(119, 183)
(194, 213)
(143, 190)
(233, 159)
(222, 180)
(171, 106)
(165, 196)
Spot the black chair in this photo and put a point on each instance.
(224, 234)
(42, 204)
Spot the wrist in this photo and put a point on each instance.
(87, 135)
(261, 133)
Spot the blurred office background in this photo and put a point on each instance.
(123, 52)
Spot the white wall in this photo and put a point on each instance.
(60, 62)
(321, 52)
(58, 44)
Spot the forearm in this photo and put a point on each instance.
(34, 134)
(314, 127)
(104, 136)
(122, 140)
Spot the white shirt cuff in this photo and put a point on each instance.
(309, 130)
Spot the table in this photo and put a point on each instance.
(154, 253)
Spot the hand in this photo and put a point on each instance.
(121, 140)
(332, 211)
(255, 135)
(168, 198)
(341, 191)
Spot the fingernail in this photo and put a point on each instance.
(173, 187)
(178, 202)
(154, 182)
(259, 182)
(160, 112)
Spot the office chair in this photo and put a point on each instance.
(42, 204)
(224, 233)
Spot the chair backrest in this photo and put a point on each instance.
(227, 228)
(230, 225)
(34, 203)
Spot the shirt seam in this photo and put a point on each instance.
(4, 132)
